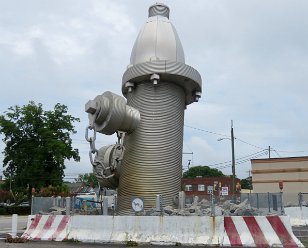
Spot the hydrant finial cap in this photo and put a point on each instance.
(159, 9)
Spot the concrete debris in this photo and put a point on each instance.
(291, 204)
(204, 208)
(55, 211)
(304, 203)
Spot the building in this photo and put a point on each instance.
(203, 187)
(2, 181)
(290, 172)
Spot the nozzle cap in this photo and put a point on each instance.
(159, 9)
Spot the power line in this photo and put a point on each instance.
(224, 135)
(250, 155)
(245, 142)
(206, 131)
(242, 161)
(276, 153)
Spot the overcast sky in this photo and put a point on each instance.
(252, 56)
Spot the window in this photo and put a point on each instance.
(201, 187)
(188, 187)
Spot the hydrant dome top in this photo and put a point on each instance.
(158, 39)
(158, 55)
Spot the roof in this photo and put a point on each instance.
(279, 160)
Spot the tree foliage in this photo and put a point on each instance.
(203, 171)
(37, 143)
(246, 183)
(88, 178)
(5, 195)
(59, 190)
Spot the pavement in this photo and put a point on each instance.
(40, 244)
(301, 232)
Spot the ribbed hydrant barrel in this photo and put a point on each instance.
(153, 153)
(159, 85)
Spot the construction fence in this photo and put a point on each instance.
(250, 204)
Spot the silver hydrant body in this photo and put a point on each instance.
(147, 160)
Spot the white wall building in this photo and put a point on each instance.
(292, 171)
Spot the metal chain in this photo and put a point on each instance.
(91, 140)
(120, 136)
(117, 153)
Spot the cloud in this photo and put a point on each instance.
(252, 57)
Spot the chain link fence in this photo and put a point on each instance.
(42, 205)
(266, 202)
(241, 204)
(303, 199)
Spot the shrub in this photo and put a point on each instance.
(3, 211)
(20, 210)
(60, 190)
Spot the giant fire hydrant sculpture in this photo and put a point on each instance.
(147, 159)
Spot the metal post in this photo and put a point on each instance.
(212, 204)
(14, 225)
(115, 204)
(73, 204)
(157, 203)
(281, 200)
(250, 186)
(101, 206)
(300, 199)
(59, 201)
(105, 206)
(68, 205)
(233, 162)
(84, 207)
(32, 201)
(269, 202)
(161, 205)
(257, 201)
(181, 200)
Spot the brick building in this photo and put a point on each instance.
(204, 186)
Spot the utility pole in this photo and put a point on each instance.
(250, 186)
(233, 161)
(269, 151)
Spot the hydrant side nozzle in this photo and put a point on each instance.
(109, 113)
(91, 107)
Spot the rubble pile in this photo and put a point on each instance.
(205, 208)
(55, 211)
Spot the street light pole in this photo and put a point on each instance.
(233, 162)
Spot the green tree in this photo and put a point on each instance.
(246, 183)
(203, 171)
(37, 143)
(87, 178)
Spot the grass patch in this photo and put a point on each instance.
(131, 243)
(10, 239)
(71, 240)
(305, 243)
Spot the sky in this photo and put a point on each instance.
(252, 57)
